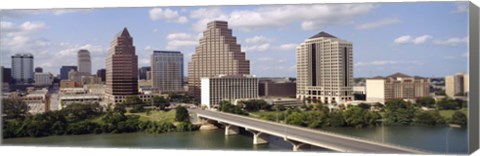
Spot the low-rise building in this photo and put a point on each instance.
(277, 88)
(284, 101)
(227, 88)
(37, 101)
(69, 84)
(396, 86)
(66, 100)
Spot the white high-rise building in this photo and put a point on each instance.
(227, 88)
(43, 79)
(84, 62)
(456, 85)
(325, 69)
(166, 71)
(22, 68)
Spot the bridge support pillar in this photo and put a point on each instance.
(296, 146)
(231, 129)
(258, 137)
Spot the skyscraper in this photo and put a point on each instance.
(217, 54)
(142, 73)
(6, 74)
(167, 71)
(64, 71)
(456, 85)
(102, 74)
(84, 62)
(22, 68)
(325, 69)
(121, 68)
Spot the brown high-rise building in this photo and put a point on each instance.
(121, 68)
(217, 54)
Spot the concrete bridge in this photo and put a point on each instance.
(297, 136)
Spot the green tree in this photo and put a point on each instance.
(426, 101)
(132, 100)
(459, 118)
(137, 109)
(399, 112)
(181, 114)
(14, 108)
(430, 118)
(447, 104)
(160, 102)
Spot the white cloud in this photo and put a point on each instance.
(452, 41)
(155, 30)
(280, 16)
(461, 7)
(258, 39)
(176, 40)
(377, 24)
(167, 14)
(387, 62)
(265, 59)
(407, 39)
(259, 47)
(285, 47)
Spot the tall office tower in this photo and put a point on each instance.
(167, 71)
(456, 85)
(38, 70)
(142, 73)
(64, 71)
(121, 68)
(84, 62)
(325, 69)
(102, 74)
(22, 68)
(217, 54)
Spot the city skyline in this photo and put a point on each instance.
(402, 41)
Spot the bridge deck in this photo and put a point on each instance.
(318, 138)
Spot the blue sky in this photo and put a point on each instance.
(425, 39)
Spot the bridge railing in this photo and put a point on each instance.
(360, 139)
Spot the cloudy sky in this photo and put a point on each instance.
(425, 39)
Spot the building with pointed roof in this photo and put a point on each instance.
(325, 69)
(121, 68)
(217, 54)
(396, 86)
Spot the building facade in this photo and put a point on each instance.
(456, 85)
(396, 86)
(142, 73)
(102, 74)
(38, 70)
(277, 88)
(43, 79)
(217, 54)
(64, 71)
(121, 68)
(227, 88)
(22, 68)
(325, 69)
(84, 61)
(6, 75)
(167, 71)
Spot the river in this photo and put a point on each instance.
(428, 138)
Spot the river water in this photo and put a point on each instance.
(428, 138)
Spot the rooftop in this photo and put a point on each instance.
(322, 34)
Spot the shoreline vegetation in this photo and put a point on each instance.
(396, 112)
(77, 119)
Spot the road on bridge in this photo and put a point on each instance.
(318, 138)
